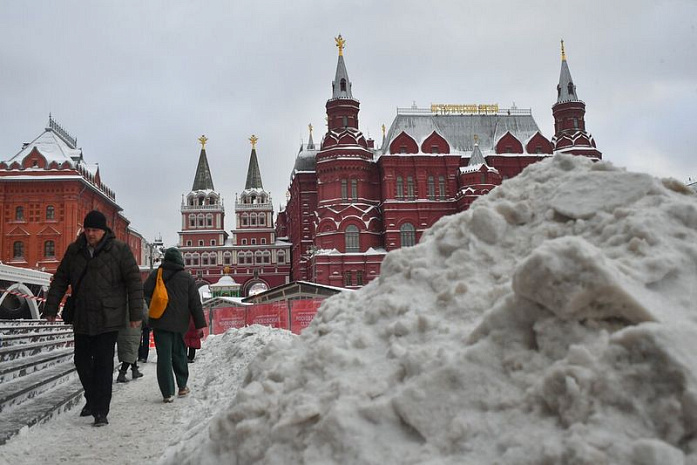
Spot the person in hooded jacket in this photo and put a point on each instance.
(107, 289)
(127, 345)
(192, 339)
(168, 330)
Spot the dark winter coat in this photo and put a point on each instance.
(184, 299)
(110, 292)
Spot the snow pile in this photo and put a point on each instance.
(552, 323)
(215, 388)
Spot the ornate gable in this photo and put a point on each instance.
(404, 143)
(435, 143)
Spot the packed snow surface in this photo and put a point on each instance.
(554, 322)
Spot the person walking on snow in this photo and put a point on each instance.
(184, 302)
(107, 290)
(127, 346)
(192, 339)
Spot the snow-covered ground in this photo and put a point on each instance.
(552, 323)
(141, 427)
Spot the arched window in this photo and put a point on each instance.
(187, 258)
(226, 258)
(352, 239)
(200, 219)
(262, 219)
(410, 188)
(281, 257)
(195, 259)
(19, 213)
(50, 213)
(49, 249)
(245, 219)
(400, 188)
(266, 256)
(204, 259)
(209, 220)
(192, 221)
(441, 187)
(431, 188)
(344, 189)
(18, 249)
(258, 257)
(343, 84)
(354, 189)
(253, 219)
(407, 235)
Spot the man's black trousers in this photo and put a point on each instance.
(94, 360)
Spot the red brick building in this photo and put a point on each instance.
(46, 190)
(250, 255)
(350, 203)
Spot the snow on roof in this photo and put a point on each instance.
(225, 281)
(306, 158)
(459, 129)
(52, 147)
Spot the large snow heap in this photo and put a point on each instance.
(552, 323)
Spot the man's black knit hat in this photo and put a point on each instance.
(96, 220)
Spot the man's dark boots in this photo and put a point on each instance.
(121, 378)
(135, 373)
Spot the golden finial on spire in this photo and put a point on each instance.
(340, 43)
(383, 130)
(253, 140)
(203, 139)
(563, 53)
(310, 127)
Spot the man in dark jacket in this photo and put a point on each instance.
(184, 303)
(107, 289)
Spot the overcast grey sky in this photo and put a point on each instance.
(137, 82)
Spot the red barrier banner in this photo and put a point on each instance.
(273, 314)
(301, 313)
(225, 318)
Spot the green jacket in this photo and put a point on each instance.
(110, 292)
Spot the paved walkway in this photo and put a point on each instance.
(140, 427)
